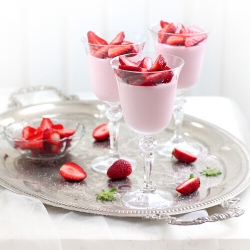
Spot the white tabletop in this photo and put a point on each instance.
(25, 223)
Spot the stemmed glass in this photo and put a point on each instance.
(193, 57)
(147, 104)
(104, 84)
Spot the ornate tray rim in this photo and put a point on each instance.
(131, 212)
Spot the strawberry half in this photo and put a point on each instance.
(193, 40)
(118, 39)
(72, 172)
(101, 132)
(159, 64)
(119, 50)
(46, 123)
(119, 169)
(189, 186)
(176, 40)
(95, 39)
(183, 155)
(125, 61)
(28, 131)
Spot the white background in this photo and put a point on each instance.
(40, 40)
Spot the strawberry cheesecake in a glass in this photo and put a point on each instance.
(188, 43)
(147, 87)
(101, 47)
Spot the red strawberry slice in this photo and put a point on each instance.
(189, 186)
(169, 75)
(46, 123)
(163, 23)
(72, 172)
(119, 169)
(146, 63)
(101, 51)
(194, 40)
(176, 40)
(183, 155)
(51, 136)
(179, 27)
(28, 131)
(119, 50)
(159, 64)
(95, 39)
(135, 46)
(163, 33)
(130, 68)
(33, 142)
(65, 132)
(57, 126)
(155, 78)
(125, 61)
(101, 132)
(118, 39)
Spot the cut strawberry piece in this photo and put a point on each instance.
(33, 142)
(194, 40)
(101, 132)
(72, 172)
(130, 68)
(135, 46)
(119, 169)
(65, 132)
(189, 186)
(51, 136)
(95, 39)
(56, 148)
(163, 33)
(163, 23)
(28, 131)
(57, 126)
(146, 63)
(159, 64)
(46, 123)
(118, 39)
(179, 27)
(125, 61)
(195, 29)
(183, 155)
(175, 40)
(119, 50)
(101, 51)
(156, 78)
(169, 74)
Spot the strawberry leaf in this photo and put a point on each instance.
(106, 195)
(210, 172)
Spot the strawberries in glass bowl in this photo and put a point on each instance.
(44, 138)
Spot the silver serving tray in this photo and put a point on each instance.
(41, 179)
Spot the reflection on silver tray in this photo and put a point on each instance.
(42, 179)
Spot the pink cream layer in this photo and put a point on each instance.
(147, 109)
(193, 59)
(103, 79)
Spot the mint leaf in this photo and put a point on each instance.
(106, 195)
(210, 172)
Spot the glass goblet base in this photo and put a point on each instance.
(147, 200)
(189, 145)
(101, 164)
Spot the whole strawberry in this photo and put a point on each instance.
(119, 169)
(189, 186)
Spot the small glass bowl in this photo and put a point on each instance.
(45, 151)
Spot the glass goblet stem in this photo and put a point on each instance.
(114, 114)
(147, 145)
(178, 116)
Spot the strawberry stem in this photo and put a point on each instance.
(191, 176)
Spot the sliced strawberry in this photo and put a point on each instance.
(163, 23)
(118, 39)
(179, 27)
(195, 29)
(119, 169)
(101, 51)
(57, 126)
(194, 40)
(119, 50)
(189, 186)
(169, 75)
(28, 131)
(51, 136)
(66, 132)
(155, 78)
(72, 172)
(175, 40)
(95, 39)
(183, 155)
(125, 61)
(101, 132)
(159, 64)
(146, 63)
(33, 142)
(46, 123)
(135, 46)
(163, 33)
(130, 68)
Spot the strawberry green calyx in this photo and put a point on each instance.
(210, 172)
(191, 176)
(106, 195)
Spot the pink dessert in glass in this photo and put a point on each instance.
(188, 43)
(101, 47)
(147, 88)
